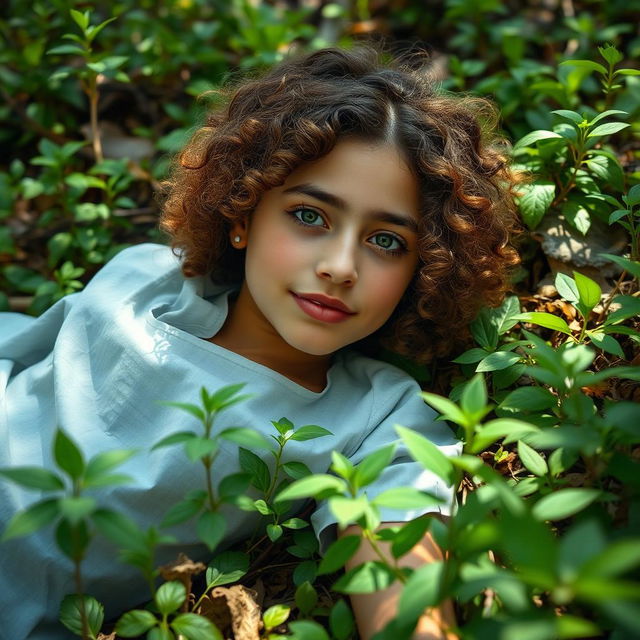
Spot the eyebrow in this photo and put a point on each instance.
(337, 202)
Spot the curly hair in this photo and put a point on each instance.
(296, 113)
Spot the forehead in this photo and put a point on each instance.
(366, 176)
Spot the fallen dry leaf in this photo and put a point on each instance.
(234, 611)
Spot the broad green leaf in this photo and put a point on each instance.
(631, 266)
(366, 578)
(585, 64)
(629, 307)
(67, 455)
(577, 215)
(617, 558)
(491, 431)
(228, 566)
(547, 320)
(633, 197)
(160, 633)
(535, 201)
(174, 438)
(310, 432)
(569, 115)
(373, 465)
(295, 523)
(427, 454)
(234, 484)
(484, 330)
(180, 512)
(198, 448)
(70, 614)
(534, 136)
(307, 630)
(72, 539)
(606, 343)
(474, 397)
(225, 397)
(170, 596)
(337, 555)
(81, 19)
(274, 532)
(347, 510)
(447, 408)
(195, 627)
(76, 509)
(471, 356)
(63, 49)
(529, 399)
(296, 470)
(245, 437)
(589, 290)
(311, 487)
(256, 467)
(497, 361)
(409, 535)
(135, 623)
(405, 498)
(567, 287)
(421, 590)
(626, 72)
(564, 503)
(211, 528)
(276, 615)
(341, 621)
(532, 460)
(31, 519)
(342, 465)
(607, 129)
(306, 598)
(606, 114)
(33, 478)
(118, 528)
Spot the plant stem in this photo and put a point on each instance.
(92, 92)
(367, 534)
(80, 593)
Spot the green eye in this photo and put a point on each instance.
(387, 242)
(308, 217)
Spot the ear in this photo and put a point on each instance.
(238, 234)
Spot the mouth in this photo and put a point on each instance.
(323, 308)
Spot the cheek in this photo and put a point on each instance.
(389, 286)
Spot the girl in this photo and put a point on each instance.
(332, 204)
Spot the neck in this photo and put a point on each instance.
(261, 343)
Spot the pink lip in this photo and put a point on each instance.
(323, 308)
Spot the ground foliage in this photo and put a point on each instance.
(546, 540)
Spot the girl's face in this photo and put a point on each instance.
(331, 251)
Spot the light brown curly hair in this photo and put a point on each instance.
(296, 113)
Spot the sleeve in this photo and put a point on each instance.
(408, 410)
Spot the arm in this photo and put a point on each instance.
(373, 610)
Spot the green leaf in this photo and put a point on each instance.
(245, 437)
(606, 343)
(366, 578)
(296, 470)
(63, 49)
(618, 214)
(274, 532)
(484, 330)
(307, 630)
(256, 467)
(626, 72)
(306, 598)
(631, 266)
(535, 201)
(211, 528)
(198, 448)
(226, 397)
(547, 320)
(70, 614)
(564, 503)
(67, 455)
(284, 425)
(567, 287)
(76, 509)
(228, 566)
(195, 627)
(474, 397)
(607, 129)
(100, 464)
(118, 528)
(606, 114)
(311, 487)
(617, 558)
(31, 519)
(170, 596)
(569, 115)
(135, 623)
(588, 290)
(373, 465)
(532, 460)
(421, 590)
(81, 19)
(491, 431)
(577, 216)
(535, 136)
(347, 510)
(633, 197)
(180, 512)
(585, 64)
(275, 616)
(174, 438)
(529, 399)
(409, 535)
(497, 361)
(193, 409)
(310, 432)
(338, 554)
(341, 621)
(471, 356)
(629, 307)
(33, 478)
(405, 498)
(160, 633)
(295, 523)
(427, 454)
(448, 409)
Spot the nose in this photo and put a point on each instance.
(337, 262)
